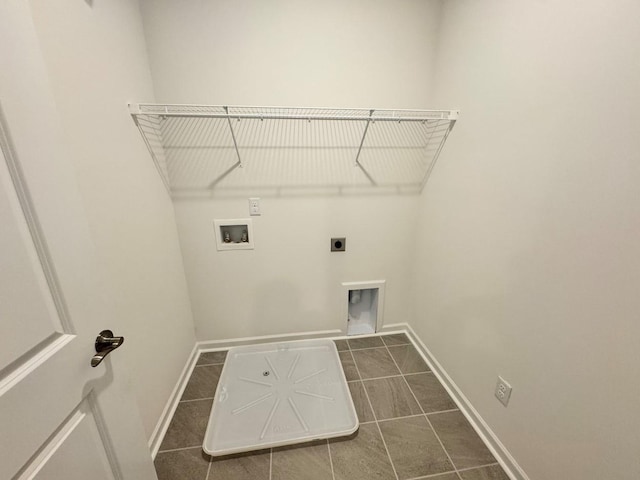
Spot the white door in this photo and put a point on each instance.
(59, 417)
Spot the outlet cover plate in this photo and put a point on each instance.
(503, 391)
(254, 206)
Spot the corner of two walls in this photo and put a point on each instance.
(340, 54)
(528, 254)
(129, 211)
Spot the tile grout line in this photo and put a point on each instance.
(393, 467)
(406, 416)
(466, 469)
(457, 472)
(432, 475)
(209, 468)
(397, 344)
(425, 415)
(378, 346)
(443, 411)
(428, 372)
(168, 450)
(380, 378)
(333, 474)
(410, 416)
(442, 445)
(210, 457)
(455, 469)
(196, 399)
(382, 420)
(384, 344)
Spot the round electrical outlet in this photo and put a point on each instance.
(338, 244)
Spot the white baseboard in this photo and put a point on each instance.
(487, 435)
(213, 345)
(170, 408)
(394, 328)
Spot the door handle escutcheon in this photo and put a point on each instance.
(105, 344)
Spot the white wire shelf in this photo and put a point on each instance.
(205, 149)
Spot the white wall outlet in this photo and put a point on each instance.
(254, 206)
(503, 391)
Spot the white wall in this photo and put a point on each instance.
(360, 53)
(299, 53)
(291, 282)
(529, 264)
(96, 60)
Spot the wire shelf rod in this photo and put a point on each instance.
(271, 107)
(290, 112)
(249, 116)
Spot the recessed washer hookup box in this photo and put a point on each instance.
(278, 394)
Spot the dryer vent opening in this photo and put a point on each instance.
(363, 307)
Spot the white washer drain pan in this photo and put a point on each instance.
(278, 394)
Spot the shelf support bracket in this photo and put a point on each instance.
(364, 135)
(233, 136)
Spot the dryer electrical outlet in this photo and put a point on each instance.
(338, 244)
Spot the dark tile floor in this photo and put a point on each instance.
(409, 427)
